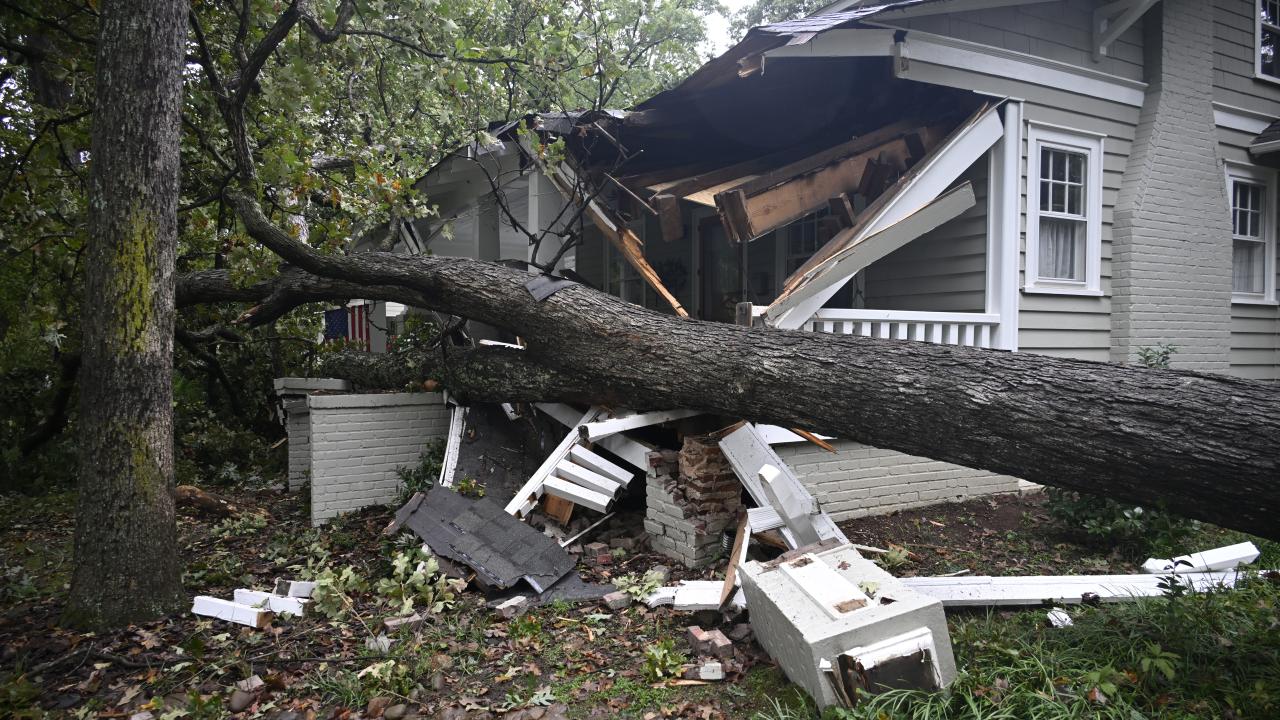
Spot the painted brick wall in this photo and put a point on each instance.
(358, 442)
(1171, 254)
(297, 425)
(861, 480)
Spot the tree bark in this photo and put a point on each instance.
(1206, 446)
(126, 563)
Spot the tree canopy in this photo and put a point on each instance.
(342, 104)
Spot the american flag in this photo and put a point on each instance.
(348, 323)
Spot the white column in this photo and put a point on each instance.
(1004, 221)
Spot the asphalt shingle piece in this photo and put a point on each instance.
(501, 549)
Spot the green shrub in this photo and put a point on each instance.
(662, 660)
(1131, 529)
(421, 477)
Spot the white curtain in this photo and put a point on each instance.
(1246, 266)
(1060, 249)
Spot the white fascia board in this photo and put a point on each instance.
(965, 55)
(829, 277)
(1059, 589)
(1238, 118)
(1264, 148)
(940, 169)
(1223, 558)
(776, 435)
(604, 428)
(945, 7)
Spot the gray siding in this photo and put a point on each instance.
(1234, 46)
(1054, 31)
(941, 271)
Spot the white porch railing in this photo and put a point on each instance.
(967, 329)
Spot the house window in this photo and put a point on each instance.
(1267, 30)
(801, 238)
(1251, 193)
(1064, 212)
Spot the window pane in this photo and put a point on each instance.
(1058, 200)
(1075, 194)
(1059, 166)
(1061, 249)
(1076, 170)
(1046, 163)
(1247, 261)
(1271, 11)
(1267, 50)
(1044, 195)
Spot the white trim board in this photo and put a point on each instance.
(964, 55)
(1238, 118)
(934, 174)
(1057, 589)
(938, 7)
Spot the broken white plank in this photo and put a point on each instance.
(694, 595)
(748, 453)
(764, 519)
(510, 411)
(231, 611)
(453, 442)
(532, 489)
(1223, 558)
(589, 479)
(499, 343)
(633, 452)
(295, 588)
(595, 431)
(1058, 617)
(661, 596)
(796, 509)
(593, 461)
(1035, 590)
(868, 249)
(270, 601)
(577, 494)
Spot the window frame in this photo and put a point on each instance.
(1265, 177)
(1075, 141)
(1258, 27)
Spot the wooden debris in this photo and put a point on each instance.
(295, 588)
(190, 497)
(557, 508)
(1035, 590)
(1223, 558)
(737, 555)
(231, 611)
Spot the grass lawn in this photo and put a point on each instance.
(1197, 656)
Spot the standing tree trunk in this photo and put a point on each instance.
(126, 563)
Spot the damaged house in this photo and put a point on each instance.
(1070, 178)
(1079, 179)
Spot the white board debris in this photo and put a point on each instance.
(1223, 558)
(231, 611)
(272, 602)
(295, 588)
(1035, 590)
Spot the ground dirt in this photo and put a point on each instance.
(557, 661)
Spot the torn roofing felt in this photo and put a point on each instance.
(477, 533)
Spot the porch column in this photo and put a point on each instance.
(1004, 228)
(545, 204)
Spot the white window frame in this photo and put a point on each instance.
(1267, 178)
(1040, 135)
(1257, 43)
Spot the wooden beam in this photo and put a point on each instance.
(577, 494)
(668, 208)
(736, 556)
(634, 452)
(841, 209)
(732, 206)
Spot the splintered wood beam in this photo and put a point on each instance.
(749, 216)
(668, 209)
(617, 232)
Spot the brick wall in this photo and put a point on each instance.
(297, 425)
(1171, 254)
(692, 498)
(862, 480)
(358, 442)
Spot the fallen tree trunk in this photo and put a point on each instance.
(1206, 446)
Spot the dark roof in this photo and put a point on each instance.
(479, 534)
(1271, 134)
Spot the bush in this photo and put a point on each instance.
(1133, 530)
(421, 477)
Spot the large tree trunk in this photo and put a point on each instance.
(126, 563)
(1206, 446)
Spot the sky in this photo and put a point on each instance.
(718, 27)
